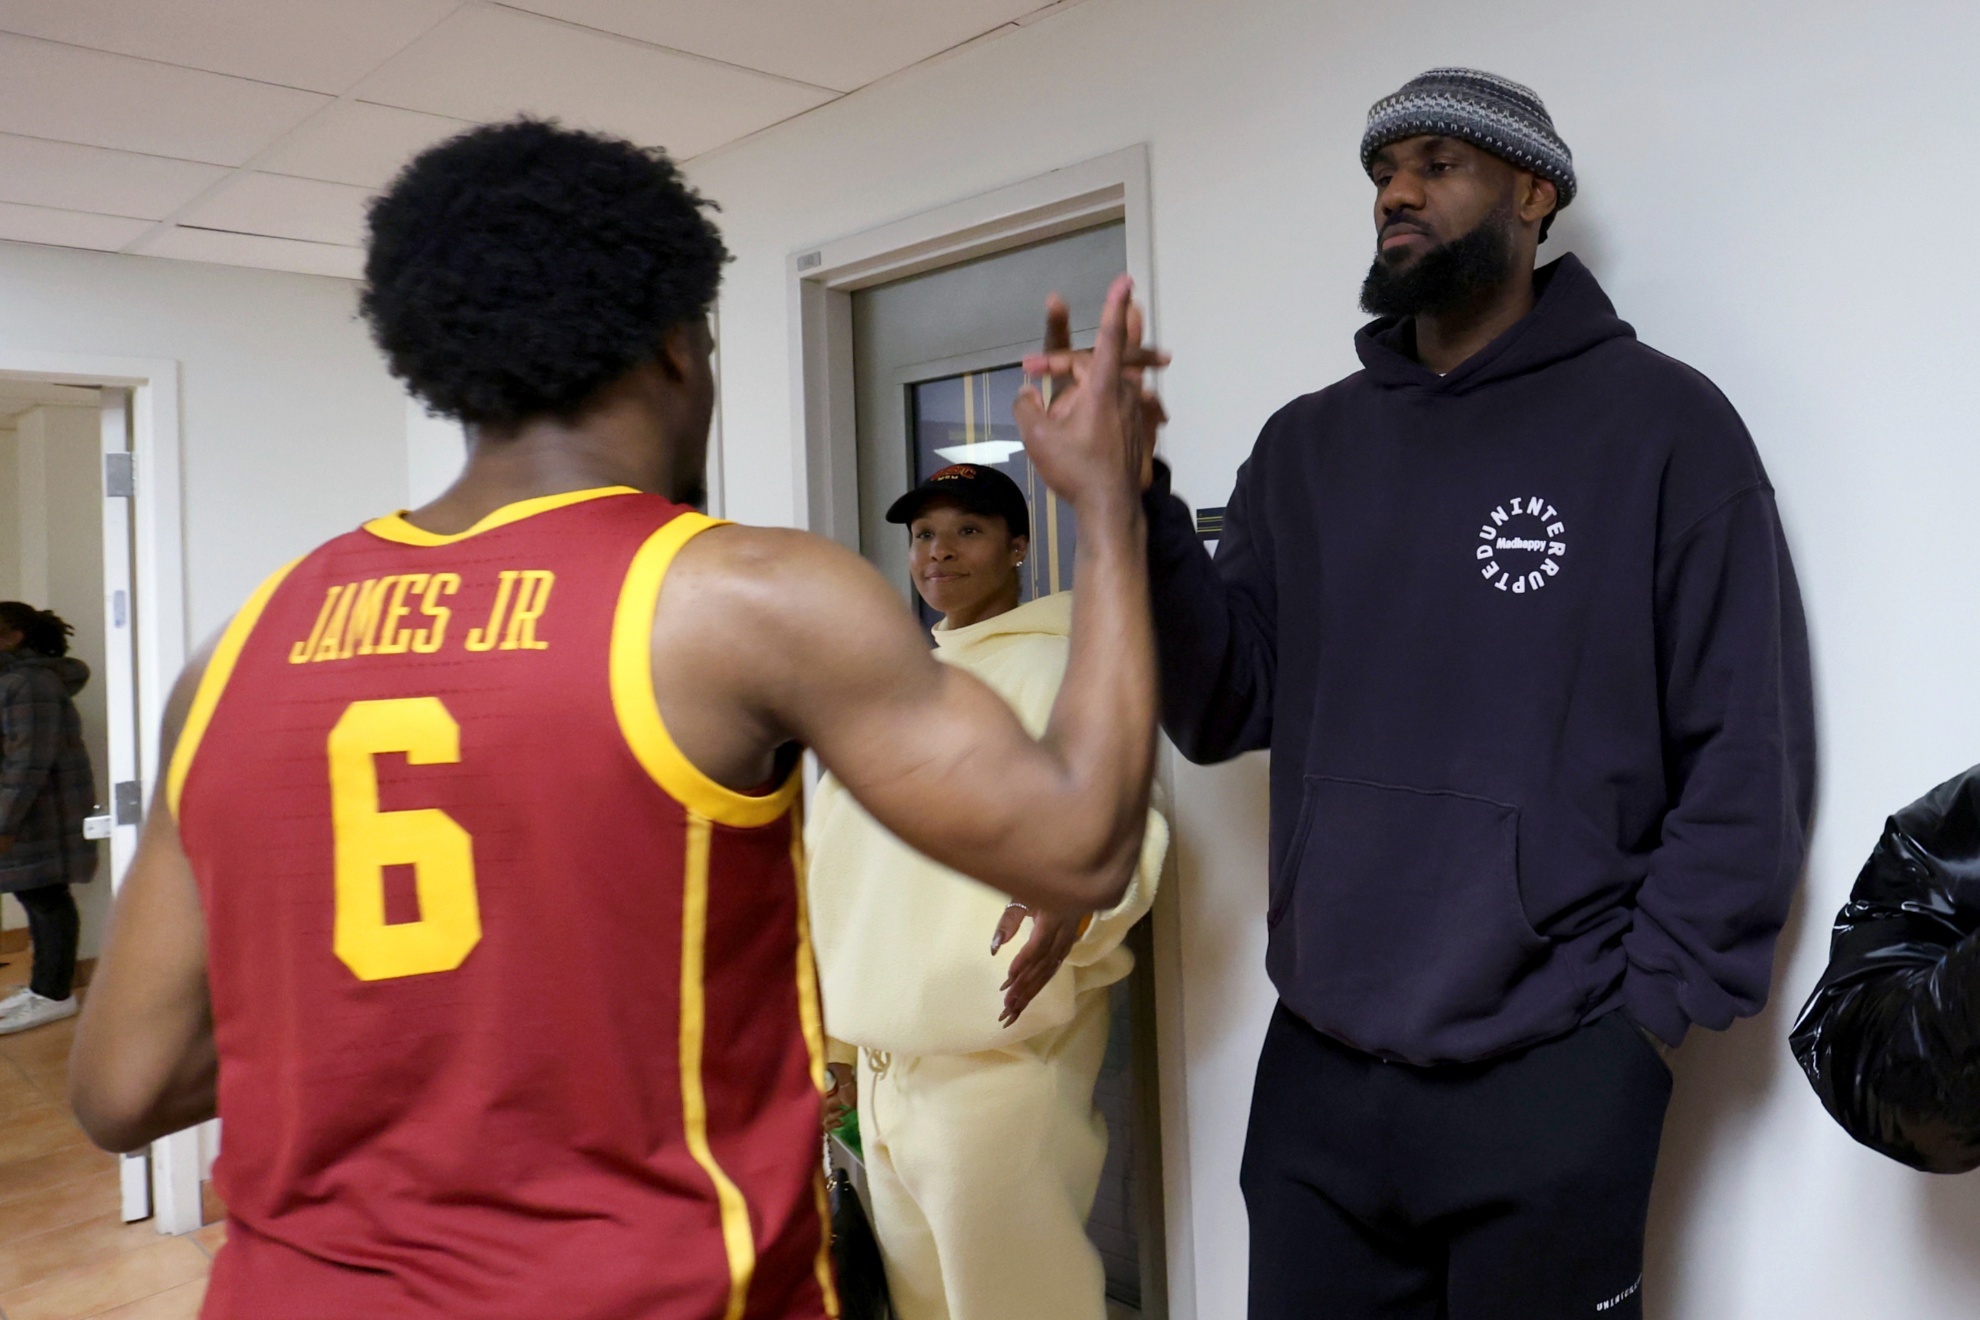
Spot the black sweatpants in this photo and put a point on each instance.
(1515, 1189)
(54, 928)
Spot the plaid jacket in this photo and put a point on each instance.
(46, 787)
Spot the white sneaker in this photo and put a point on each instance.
(35, 1011)
(14, 998)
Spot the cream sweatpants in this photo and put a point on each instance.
(982, 1170)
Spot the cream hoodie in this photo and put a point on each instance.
(903, 943)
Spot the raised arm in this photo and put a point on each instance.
(810, 645)
(1216, 622)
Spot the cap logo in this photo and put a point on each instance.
(957, 472)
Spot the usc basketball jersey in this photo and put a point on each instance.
(515, 1008)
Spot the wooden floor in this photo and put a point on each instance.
(64, 1254)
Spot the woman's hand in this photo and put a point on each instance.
(841, 1093)
(1053, 935)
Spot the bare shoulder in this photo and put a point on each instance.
(778, 631)
(778, 582)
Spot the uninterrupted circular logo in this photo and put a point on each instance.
(1521, 545)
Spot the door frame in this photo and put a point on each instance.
(821, 279)
(159, 646)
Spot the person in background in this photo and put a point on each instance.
(1890, 1038)
(46, 789)
(1513, 609)
(974, 1072)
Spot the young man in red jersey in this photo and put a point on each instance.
(471, 897)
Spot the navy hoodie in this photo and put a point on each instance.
(1528, 651)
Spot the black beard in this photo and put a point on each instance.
(1447, 276)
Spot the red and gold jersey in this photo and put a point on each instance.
(515, 1007)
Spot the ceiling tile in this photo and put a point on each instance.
(489, 63)
(256, 250)
(53, 91)
(62, 174)
(40, 224)
(322, 45)
(282, 207)
(356, 142)
(841, 44)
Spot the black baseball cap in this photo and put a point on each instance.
(978, 489)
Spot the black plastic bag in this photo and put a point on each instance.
(1891, 1037)
(856, 1256)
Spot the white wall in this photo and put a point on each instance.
(1770, 191)
(291, 429)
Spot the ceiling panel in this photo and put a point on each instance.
(48, 90)
(360, 143)
(490, 63)
(323, 45)
(40, 224)
(285, 208)
(255, 250)
(62, 174)
(841, 44)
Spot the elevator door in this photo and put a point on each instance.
(935, 361)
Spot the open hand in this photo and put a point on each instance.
(1053, 935)
(1062, 362)
(1086, 443)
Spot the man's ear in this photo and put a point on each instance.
(1539, 198)
(683, 348)
(1021, 547)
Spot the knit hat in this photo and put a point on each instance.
(1497, 114)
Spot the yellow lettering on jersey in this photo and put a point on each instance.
(427, 640)
(367, 840)
(368, 607)
(303, 652)
(390, 640)
(483, 639)
(332, 645)
(532, 598)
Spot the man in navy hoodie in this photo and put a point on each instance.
(1512, 608)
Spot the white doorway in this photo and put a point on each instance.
(859, 440)
(89, 495)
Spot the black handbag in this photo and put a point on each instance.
(856, 1255)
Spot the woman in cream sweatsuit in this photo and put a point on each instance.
(983, 1149)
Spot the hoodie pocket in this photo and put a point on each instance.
(1400, 927)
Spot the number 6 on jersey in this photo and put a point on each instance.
(369, 840)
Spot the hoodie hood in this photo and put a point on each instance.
(73, 673)
(1050, 616)
(1570, 315)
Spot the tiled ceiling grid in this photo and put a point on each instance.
(251, 132)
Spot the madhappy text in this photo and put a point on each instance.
(1495, 538)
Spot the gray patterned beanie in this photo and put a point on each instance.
(1497, 114)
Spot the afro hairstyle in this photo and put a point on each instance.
(517, 268)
